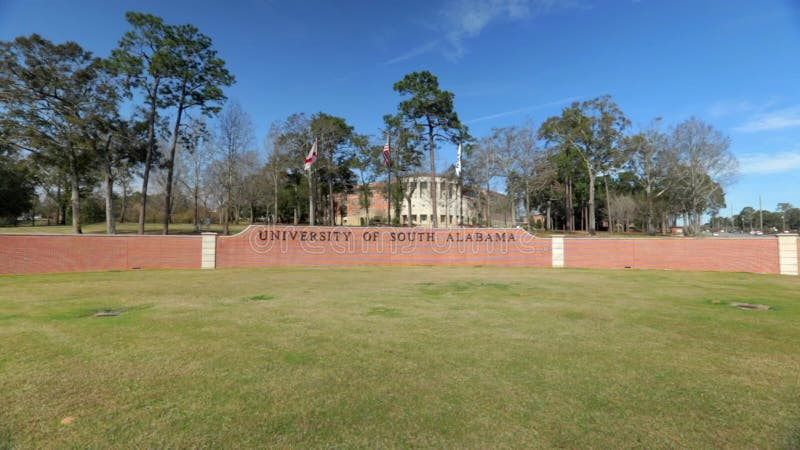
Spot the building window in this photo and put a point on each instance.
(423, 186)
(413, 219)
(423, 218)
(405, 218)
(442, 219)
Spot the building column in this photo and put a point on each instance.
(787, 254)
(208, 251)
(557, 245)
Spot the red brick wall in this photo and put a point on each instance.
(722, 255)
(374, 246)
(70, 253)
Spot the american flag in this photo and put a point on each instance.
(385, 153)
(312, 155)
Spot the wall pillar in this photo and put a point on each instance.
(557, 243)
(787, 254)
(208, 252)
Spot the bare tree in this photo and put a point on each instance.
(196, 143)
(525, 163)
(648, 160)
(483, 168)
(234, 136)
(624, 209)
(251, 184)
(700, 166)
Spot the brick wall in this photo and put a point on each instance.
(86, 253)
(316, 246)
(723, 255)
(260, 246)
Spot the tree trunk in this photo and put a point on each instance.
(61, 214)
(76, 201)
(227, 210)
(275, 217)
(124, 202)
(111, 227)
(342, 209)
(527, 203)
(591, 218)
(548, 225)
(196, 205)
(171, 165)
(432, 184)
(512, 203)
(649, 195)
(570, 212)
(608, 202)
(408, 199)
(148, 162)
(331, 205)
(365, 193)
(488, 203)
(460, 201)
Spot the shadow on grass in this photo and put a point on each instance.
(6, 443)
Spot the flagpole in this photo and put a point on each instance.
(311, 196)
(389, 182)
(309, 166)
(460, 189)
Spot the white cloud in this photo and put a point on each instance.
(465, 19)
(724, 108)
(461, 20)
(763, 163)
(524, 109)
(414, 52)
(774, 120)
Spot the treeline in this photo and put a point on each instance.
(67, 151)
(586, 169)
(62, 112)
(785, 218)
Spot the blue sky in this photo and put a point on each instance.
(733, 63)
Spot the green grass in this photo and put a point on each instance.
(399, 357)
(124, 228)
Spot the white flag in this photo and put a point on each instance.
(312, 155)
(458, 162)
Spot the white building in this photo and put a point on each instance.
(449, 205)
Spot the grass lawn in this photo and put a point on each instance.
(400, 357)
(123, 228)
